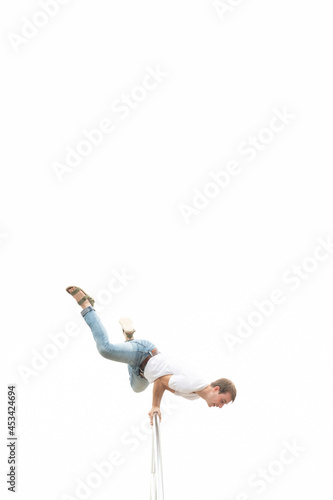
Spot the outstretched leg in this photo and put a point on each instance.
(132, 352)
(124, 352)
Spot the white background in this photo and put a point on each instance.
(119, 209)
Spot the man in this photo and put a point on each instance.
(147, 365)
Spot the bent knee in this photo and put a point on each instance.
(138, 389)
(104, 351)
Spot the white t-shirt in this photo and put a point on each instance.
(183, 382)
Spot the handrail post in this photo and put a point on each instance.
(153, 491)
(156, 489)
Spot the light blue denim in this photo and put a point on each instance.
(132, 352)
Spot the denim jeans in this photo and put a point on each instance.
(132, 352)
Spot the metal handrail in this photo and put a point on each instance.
(156, 487)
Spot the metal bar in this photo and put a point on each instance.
(153, 490)
(156, 488)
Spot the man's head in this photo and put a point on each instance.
(222, 392)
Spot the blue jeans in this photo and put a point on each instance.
(132, 352)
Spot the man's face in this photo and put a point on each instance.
(218, 400)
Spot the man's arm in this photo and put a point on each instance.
(158, 391)
(160, 385)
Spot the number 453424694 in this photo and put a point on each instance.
(11, 410)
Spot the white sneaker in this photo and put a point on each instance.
(127, 325)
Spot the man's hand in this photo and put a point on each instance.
(155, 409)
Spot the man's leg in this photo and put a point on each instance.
(125, 352)
(132, 352)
